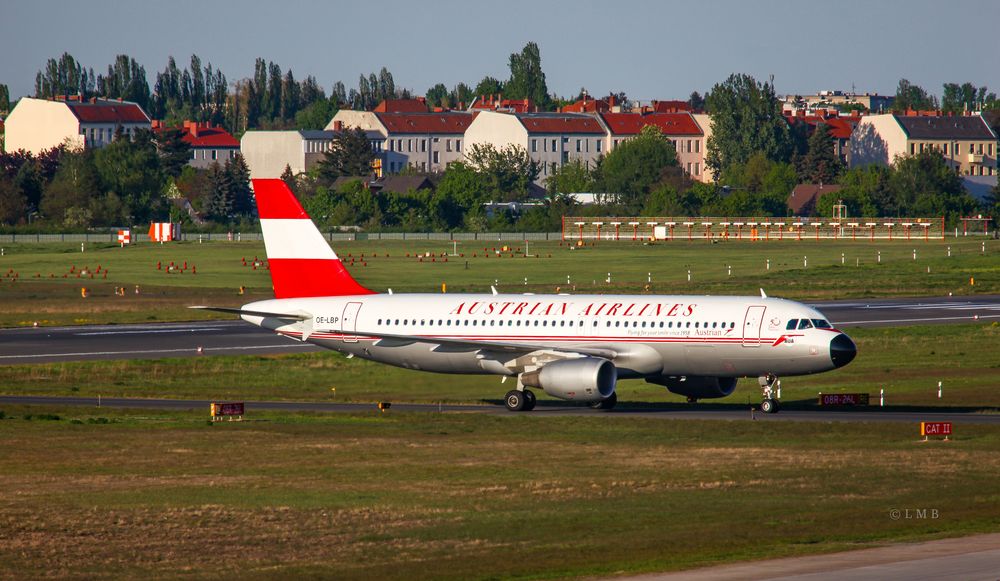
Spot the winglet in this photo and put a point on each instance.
(763, 295)
(494, 290)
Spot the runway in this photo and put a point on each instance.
(545, 409)
(234, 337)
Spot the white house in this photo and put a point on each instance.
(36, 125)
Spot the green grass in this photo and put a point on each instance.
(906, 362)
(431, 496)
(42, 294)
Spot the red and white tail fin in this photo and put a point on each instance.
(302, 263)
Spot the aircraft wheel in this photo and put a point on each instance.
(515, 400)
(529, 400)
(606, 403)
(769, 406)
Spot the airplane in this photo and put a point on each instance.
(573, 347)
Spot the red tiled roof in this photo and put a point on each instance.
(669, 123)
(802, 201)
(670, 106)
(491, 103)
(840, 127)
(560, 123)
(402, 106)
(426, 122)
(103, 111)
(203, 135)
(587, 106)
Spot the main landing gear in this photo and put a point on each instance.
(520, 400)
(771, 390)
(523, 400)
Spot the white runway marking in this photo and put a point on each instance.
(923, 320)
(152, 331)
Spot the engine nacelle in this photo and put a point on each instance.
(697, 387)
(585, 379)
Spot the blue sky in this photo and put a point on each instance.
(650, 50)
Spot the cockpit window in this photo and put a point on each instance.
(792, 324)
(805, 324)
(822, 324)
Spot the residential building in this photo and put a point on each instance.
(36, 125)
(267, 153)
(804, 197)
(873, 102)
(967, 142)
(425, 142)
(682, 129)
(840, 127)
(551, 139)
(498, 103)
(208, 142)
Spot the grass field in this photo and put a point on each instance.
(906, 362)
(428, 496)
(798, 270)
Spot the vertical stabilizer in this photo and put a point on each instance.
(302, 263)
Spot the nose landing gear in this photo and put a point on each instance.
(770, 387)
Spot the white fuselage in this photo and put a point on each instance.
(651, 335)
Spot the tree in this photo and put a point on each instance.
(173, 150)
(488, 86)
(633, 168)
(350, 154)
(746, 119)
(571, 177)
(526, 77)
(507, 172)
(696, 102)
(238, 180)
(820, 165)
(4, 100)
(75, 185)
(13, 205)
(924, 185)
(219, 206)
(910, 96)
(131, 170)
(437, 96)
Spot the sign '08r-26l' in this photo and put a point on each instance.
(574, 347)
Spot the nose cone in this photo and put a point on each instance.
(842, 350)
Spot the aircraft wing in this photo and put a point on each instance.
(464, 345)
(234, 311)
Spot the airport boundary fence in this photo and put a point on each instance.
(112, 237)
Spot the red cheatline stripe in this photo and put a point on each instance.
(592, 339)
(312, 277)
(275, 201)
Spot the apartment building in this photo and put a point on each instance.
(967, 142)
(682, 129)
(551, 139)
(267, 153)
(36, 125)
(208, 142)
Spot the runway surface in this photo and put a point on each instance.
(234, 337)
(544, 410)
(975, 558)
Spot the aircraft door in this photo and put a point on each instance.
(751, 326)
(349, 322)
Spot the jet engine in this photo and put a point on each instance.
(586, 379)
(696, 387)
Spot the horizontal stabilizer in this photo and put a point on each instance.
(234, 311)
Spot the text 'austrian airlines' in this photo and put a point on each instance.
(574, 347)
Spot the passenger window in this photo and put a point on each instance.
(688, 324)
(821, 324)
(492, 323)
(380, 321)
(617, 323)
(805, 324)
(792, 324)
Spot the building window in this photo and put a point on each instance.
(689, 168)
(578, 149)
(194, 154)
(423, 145)
(913, 148)
(534, 145)
(697, 146)
(423, 166)
(946, 149)
(697, 169)
(215, 154)
(598, 146)
(689, 145)
(435, 156)
(972, 148)
(458, 145)
(447, 145)
(554, 146)
(991, 150)
(545, 145)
